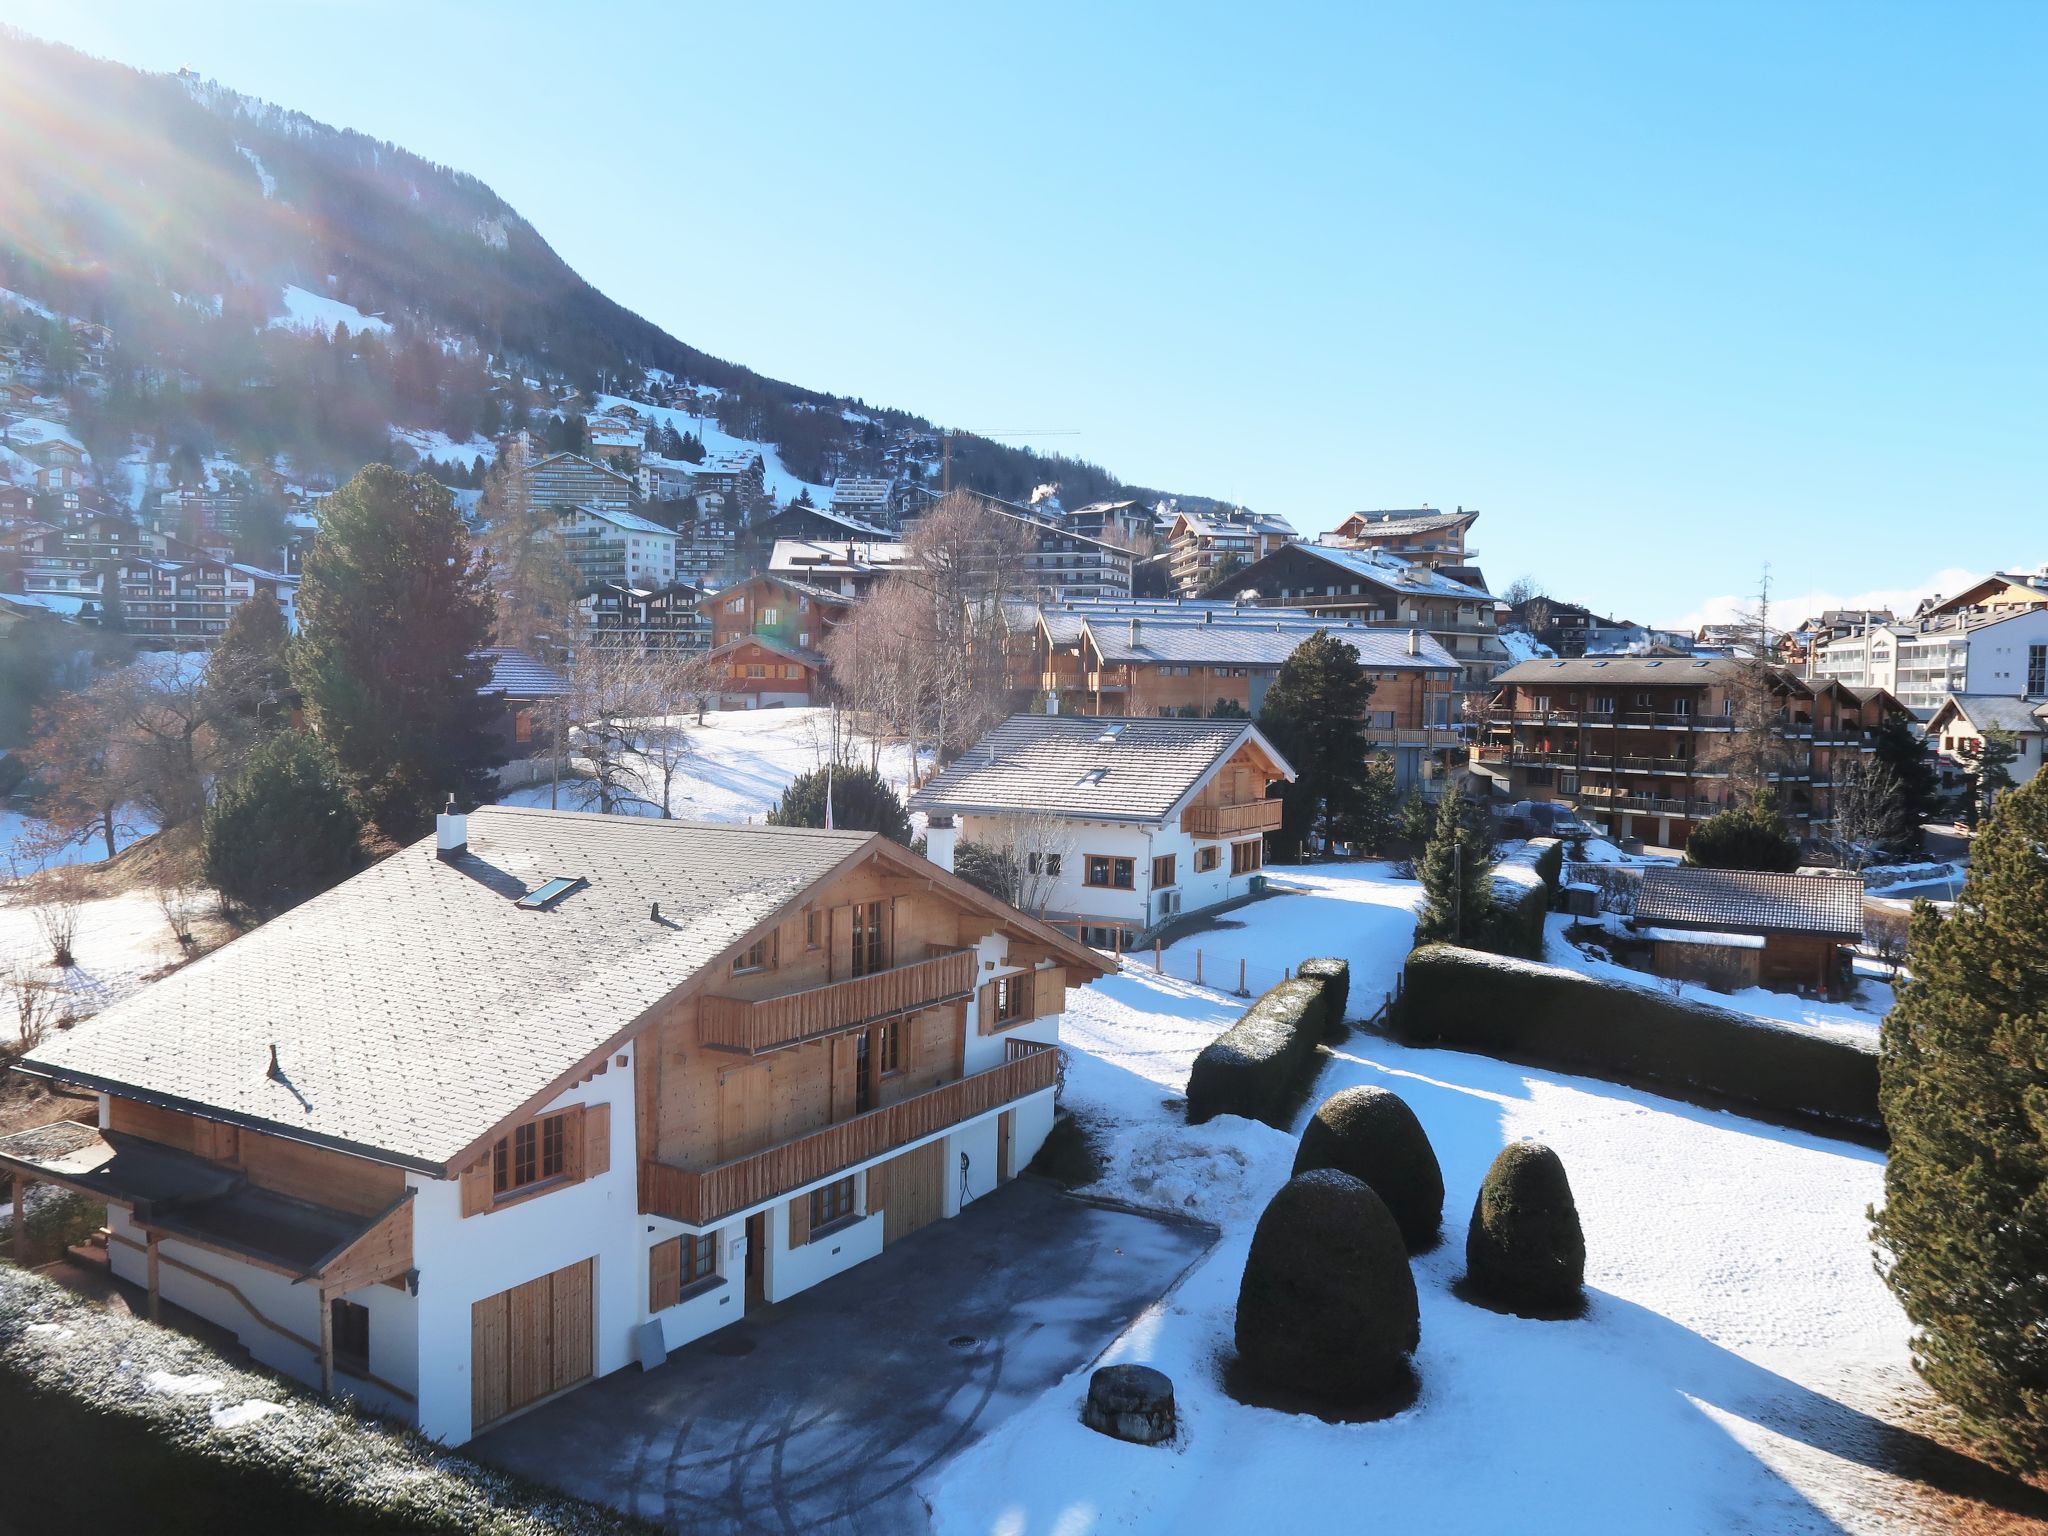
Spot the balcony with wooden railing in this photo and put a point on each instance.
(701, 1196)
(1231, 820)
(769, 1023)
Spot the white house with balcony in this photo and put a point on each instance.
(1116, 825)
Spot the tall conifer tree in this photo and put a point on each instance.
(1964, 1088)
(394, 613)
(1315, 714)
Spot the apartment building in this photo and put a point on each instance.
(1421, 535)
(570, 480)
(546, 1091)
(195, 599)
(609, 544)
(619, 617)
(1640, 745)
(1119, 825)
(1995, 649)
(1204, 547)
(1372, 588)
(864, 499)
(849, 567)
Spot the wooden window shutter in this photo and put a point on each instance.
(476, 1187)
(597, 1140)
(799, 1221)
(665, 1274)
(985, 1021)
(1048, 991)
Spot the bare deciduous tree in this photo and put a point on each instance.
(1869, 813)
(533, 578)
(1036, 846)
(37, 1007)
(1885, 933)
(59, 897)
(629, 736)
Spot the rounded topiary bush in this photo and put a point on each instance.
(1327, 1307)
(1373, 1135)
(1526, 1252)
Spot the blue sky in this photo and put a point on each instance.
(1668, 291)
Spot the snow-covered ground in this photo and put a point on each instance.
(741, 761)
(120, 943)
(777, 478)
(429, 443)
(1719, 1382)
(309, 311)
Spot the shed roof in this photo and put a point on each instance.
(518, 675)
(1751, 901)
(1995, 712)
(1092, 767)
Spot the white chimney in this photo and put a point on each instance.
(1134, 629)
(1052, 701)
(451, 833)
(1414, 642)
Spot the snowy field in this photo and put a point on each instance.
(778, 480)
(1736, 1335)
(122, 941)
(305, 310)
(741, 762)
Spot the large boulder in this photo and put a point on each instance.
(1525, 1252)
(1130, 1402)
(1327, 1307)
(1373, 1135)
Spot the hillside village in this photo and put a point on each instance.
(595, 942)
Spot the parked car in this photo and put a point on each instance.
(1543, 818)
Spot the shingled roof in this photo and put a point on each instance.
(1750, 901)
(415, 1006)
(1094, 767)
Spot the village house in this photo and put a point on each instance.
(1378, 589)
(1118, 825)
(1639, 745)
(528, 727)
(864, 499)
(547, 1093)
(1959, 726)
(848, 568)
(756, 543)
(195, 599)
(767, 635)
(1060, 565)
(57, 458)
(1991, 638)
(1736, 928)
(1204, 547)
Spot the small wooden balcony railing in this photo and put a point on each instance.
(766, 1024)
(699, 1197)
(1231, 820)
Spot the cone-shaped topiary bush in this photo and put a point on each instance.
(1373, 1135)
(1525, 1252)
(1327, 1306)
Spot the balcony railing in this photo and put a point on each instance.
(766, 1024)
(1414, 736)
(699, 1197)
(1231, 820)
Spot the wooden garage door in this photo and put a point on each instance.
(910, 1190)
(529, 1341)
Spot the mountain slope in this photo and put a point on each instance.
(181, 215)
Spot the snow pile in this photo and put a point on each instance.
(1523, 646)
(181, 1386)
(243, 1413)
(1707, 1390)
(309, 311)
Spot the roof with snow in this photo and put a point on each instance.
(518, 675)
(1389, 572)
(1677, 671)
(1751, 901)
(833, 558)
(1091, 767)
(1248, 642)
(631, 522)
(1395, 523)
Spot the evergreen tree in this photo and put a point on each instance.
(671, 441)
(1896, 748)
(1416, 819)
(248, 672)
(862, 800)
(1379, 807)
(1988, 761)
(1315, 714)
(1963, 1235)
(1453, 870)
(1228, 709)
(283, 828)
(393, 616)
(693, 449)
(1753, 836)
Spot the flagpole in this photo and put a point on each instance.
(832, 751)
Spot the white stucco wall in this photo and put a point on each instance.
(1998, 654)
(463, 1260)
(790, 1270)
(1140, 844)
(704, 1311)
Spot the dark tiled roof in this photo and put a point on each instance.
(1051, 763)
(1750, 901)
(519, 676)
(415, 1007)
(1999, 712)
(1671, 671)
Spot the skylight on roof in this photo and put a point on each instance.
(1110, 735)
(1092, 776)
(548, 892)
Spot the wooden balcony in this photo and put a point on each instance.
(699, 1197)
(769, 1023)
(1231, 820)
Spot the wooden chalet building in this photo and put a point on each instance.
(1640, 745)
(1736, 928)
(1422, 535)
(618, 616)
(456, 1135)
(768, 633)
(1201, 545)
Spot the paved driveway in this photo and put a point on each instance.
(819, 1415)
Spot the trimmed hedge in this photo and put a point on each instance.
(1515, 926)
(1525, 1251)
(107, 1451)
(1559, 1018)
(1252, 1068)
(1335, 975)
(1550, 865)
(1327, 1306)
(1374, 1136)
